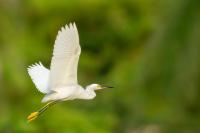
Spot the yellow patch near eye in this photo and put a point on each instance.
(98, 86)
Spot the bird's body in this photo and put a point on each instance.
(64, 93)
(60, 82)
(70, 92)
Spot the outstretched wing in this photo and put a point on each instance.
(65, 58)
(40, 76)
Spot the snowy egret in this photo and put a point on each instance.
(60, 82)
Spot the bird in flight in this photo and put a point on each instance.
(60, 82)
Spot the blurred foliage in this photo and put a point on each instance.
(149, 50)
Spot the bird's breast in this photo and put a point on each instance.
(68, 92)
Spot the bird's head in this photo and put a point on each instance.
(98, 87)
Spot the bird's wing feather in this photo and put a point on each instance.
(65, 58)
(40, 76)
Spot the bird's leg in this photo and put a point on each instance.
(34, 115)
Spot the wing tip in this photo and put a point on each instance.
(71, 25)
(33, 71)
(70, 28)
(30, 67)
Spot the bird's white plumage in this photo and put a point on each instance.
(40, 76)
(64, 63)
(60, 82)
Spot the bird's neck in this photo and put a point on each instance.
(87, 93)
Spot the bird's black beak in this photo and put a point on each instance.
(103, 87)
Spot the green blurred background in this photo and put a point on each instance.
(148, 50)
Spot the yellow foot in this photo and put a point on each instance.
(32, 116)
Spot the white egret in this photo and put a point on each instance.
(60, 82)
